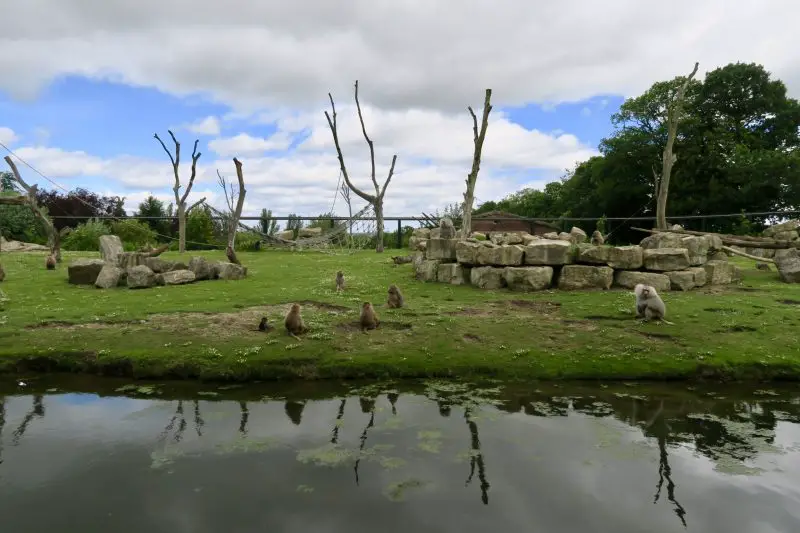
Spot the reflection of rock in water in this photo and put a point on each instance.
(2, 424)
(338, 423)
(294, 410)
(444, 408)
(367, 404)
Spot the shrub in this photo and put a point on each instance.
(133, 233)
(248, 241)
(86, 237)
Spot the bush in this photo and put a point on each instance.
(134, 234)
(86, 237)
(248, 241)
(200, 230)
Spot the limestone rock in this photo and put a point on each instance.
(287, 235)
(487, 277)
(717, 256)
(201, 268)
(790, 225)
(550, 235)
(788, 265)
(666, 259)
(422, 233)
(507, 255)
(110, 248)
(628, 279)
(549, 252)
(84, 271)
(175, 277)
(141, 277)
(564, 236)
(574, 277)
(719, 272)
(108, 277)
(158, 265)
(441, 249)
(527, 238)
(626, 257)
(435, 233)
(597, 255)
(528, 278)
(681, 280)
(453, 273)
(417, 243)
(427, 270)
(231, 271)
(478, 236)
(697, 248)
(467, 252)
(578, 235)
(786, 235)
(714, 243)
(416, 259)
(501, 238)
(308, 233)
(699, 274)
(661, 240)
(126, 260)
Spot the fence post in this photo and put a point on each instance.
(399, 234)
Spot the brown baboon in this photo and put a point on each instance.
(369, 320)
(396, 300)
(2, 273)
(339, 281)
(264, 326)
(294, 322)
(763, 266)
(402, 259)
(649, 304)
(597, 238)
(50, 262)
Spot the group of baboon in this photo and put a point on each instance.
(367, 321)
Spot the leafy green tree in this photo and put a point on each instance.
(267, 224)
(153, 207)
(200, 229)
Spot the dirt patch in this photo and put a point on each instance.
(660, 336)
(388, 324)
(537, 305)
(580, 324)
(472, 337)
(789, 302)
(468, 311)
(746, 289)
(719, 310)
(320, 305)
(606, 317)
(737, 329)
(98, 324)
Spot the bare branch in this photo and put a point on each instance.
(198, 202)
(743, 254)
(334, 131)
(369, 142)
(478, 139)
(389, 177)
(175, 162)
(195, 156)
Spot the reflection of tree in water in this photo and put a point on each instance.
(393, 397)
(367, 406)
(338, 423)
(659, 426)
(198, 419)
(2, 424)
(245, 415)
(294, 410)
(37, 410)
(180, 419)
(476, 456)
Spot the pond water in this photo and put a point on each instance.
(436, 456)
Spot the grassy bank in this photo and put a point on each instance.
(209, 329)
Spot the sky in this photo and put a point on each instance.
(86, 84)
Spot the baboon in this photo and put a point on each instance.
(2, 273)
(263, 326)
(339, 281)
(401, 259)
(50, 262)
(597, 238)
(294, 322)
(446, 229)
(762, 266)
(396, 299)
(649, 304)
(369, 320)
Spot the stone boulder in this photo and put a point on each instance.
(141, 277)
(230, 271)
(564, 236)
(661, 240)
(422, 233)
(441, 249)
(790, 225)
(720, 272)
(628, 279)
(487, 277)
(578, 235)
(287, 235)
(699, 274)
(309, 233)
(528, 278)
(110, 276)
(786, 236)
(201, 267)
(714, 243)
(467, 252)
(110, 248)
(717, 256)
(549, 252)
(625, 257)
(697, 248)
(507, 255)
(666, 259)
(575, 277)
(478, 236)
(788, 265)
(417, 243)
(681, 280)
(500, 238)
(427, 270)
(175, 277)
(158, 265)
(84, 271)
(527, 238)
(126, 260)
(550, 235)
(596, 255)
(453, 273)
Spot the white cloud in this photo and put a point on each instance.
(7, 135)
(586, 112)
(206, 126)
(296, 53)
(244, 145)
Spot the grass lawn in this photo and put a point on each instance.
(208, 330)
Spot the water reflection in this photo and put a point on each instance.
(553, 459)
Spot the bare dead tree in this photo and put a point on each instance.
(180, 199)
(472, 178)
(668, 158)
(344, 192)
(29, 199)
(234, 199)
(376, 200)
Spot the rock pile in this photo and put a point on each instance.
(525, 262)
(138, 270)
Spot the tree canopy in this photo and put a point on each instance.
(738, 149)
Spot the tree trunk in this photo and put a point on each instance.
(478, 136)
(181, 228)
(378, 206)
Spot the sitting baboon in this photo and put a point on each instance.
(396, 299)
(597, 238)
(368, 320)
(294, 321)
(50, 262)
(339, 281)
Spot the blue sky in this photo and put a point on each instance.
(107, 120)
